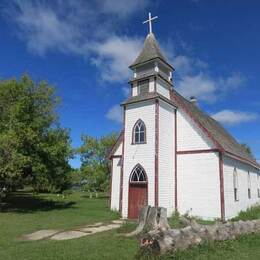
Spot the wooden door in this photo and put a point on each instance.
(137, 199)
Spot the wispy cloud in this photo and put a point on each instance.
(115, 114)
(85, 28)
(230, 117)
(91, 29)
(194, 79)
(114, 55)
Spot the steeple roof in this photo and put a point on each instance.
(149, 52)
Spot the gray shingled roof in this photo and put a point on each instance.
(147, 96)
(150, 51)
(215, 129)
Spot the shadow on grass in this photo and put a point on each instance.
(100, 196)
(21, 202)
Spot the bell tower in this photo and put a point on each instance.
(152, 73)
(149, 144)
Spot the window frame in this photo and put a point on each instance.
(235, 184)
(139, 84)
(134, 132)
(249, 185)
(258, 186)
(143, 173)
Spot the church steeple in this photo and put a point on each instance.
(152, 73)
(150, 51)
(151, 60)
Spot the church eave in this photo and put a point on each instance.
(135, 65)
(155, 74)
(222, 149)
(150, 96)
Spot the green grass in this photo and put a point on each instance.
(250, 214)
(25, 213)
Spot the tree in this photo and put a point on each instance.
(95, 164)
(34, 149)
(248, 149)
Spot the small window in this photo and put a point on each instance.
(143, 86)
(249, 184)
(258, 185)
(235, 184)
(138, 174)
(139, 132)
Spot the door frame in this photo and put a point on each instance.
(136, 183)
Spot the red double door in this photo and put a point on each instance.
(138, 196)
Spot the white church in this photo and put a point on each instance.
(172, 154)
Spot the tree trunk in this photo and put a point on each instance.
(161, 241)
(151, 218)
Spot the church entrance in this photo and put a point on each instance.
(138, 192)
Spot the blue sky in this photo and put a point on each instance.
(83, 48)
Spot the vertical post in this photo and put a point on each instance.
(221, 182)
(110, 185)
(122, 168)
(156, 155)
(175, 161)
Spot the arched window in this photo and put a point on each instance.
(139, 132)
(258, 185)
(138, 174)
(235, 184)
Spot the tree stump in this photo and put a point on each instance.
(151, 219)
(160, 241)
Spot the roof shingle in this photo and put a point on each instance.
(218, 133)
(149, 52)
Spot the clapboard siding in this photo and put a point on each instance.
(118, 151)
(234, 207)
(162, 88)
(198, 185)
(166, 157)
(115, 186)
(139, 153)
(190, 137)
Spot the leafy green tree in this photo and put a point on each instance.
(34, 149)
(95, 164)
(248, 149)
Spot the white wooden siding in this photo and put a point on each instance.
(151, 85)
(166, 157)
(199, 185)
(162, 88)
(139, 153)
(115, 187)
(134, 90)
(118, 151)
(232, 207)
(190, 137)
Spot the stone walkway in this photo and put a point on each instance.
(53, 234)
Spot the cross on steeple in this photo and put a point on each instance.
(150, 22)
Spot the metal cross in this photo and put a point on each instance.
(150, 22)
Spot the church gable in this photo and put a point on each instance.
(189, 135)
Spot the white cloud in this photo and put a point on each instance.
(122, 7)
(114, 56)
(91, 29)
(200, 86)
(85, 28)
(194, 79)
(115, 114)
(230, 117)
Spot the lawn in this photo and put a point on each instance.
(26, 213)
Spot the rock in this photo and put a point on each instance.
(42, 234)
(68, 235)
